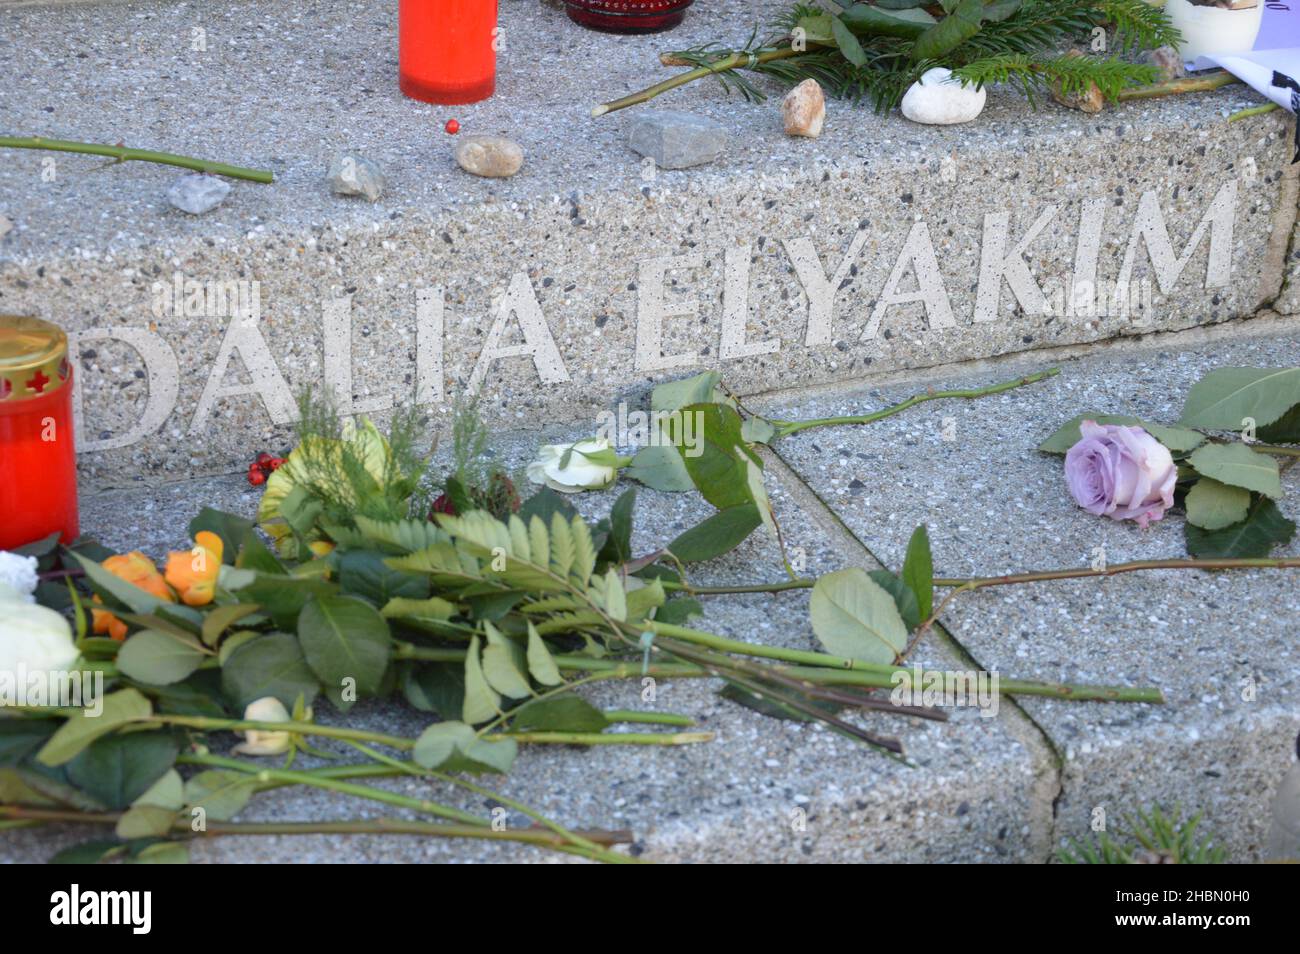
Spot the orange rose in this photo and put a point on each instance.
(138, 570)
(194, 573)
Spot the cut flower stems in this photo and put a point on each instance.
(370, 576)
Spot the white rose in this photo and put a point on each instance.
(18, 573)
(263, 741)
(33, 637)
(590, 464)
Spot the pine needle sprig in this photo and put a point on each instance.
(1139, 25)
(1069, 74)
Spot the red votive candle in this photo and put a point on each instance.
(627, 16)
(446, 50)
(38, 455)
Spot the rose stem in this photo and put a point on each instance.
(290, 776)
(1190, 84)
(821, 669)
(804, 583)
(731, 62)
(404, 744)
(784, 428)
(123, 154)
(381, 826)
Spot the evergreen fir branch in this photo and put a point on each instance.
(1069, 74)
(1139, 25)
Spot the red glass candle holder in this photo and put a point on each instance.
(627, 16)
(446, 50)
(38, 454)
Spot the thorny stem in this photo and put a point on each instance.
(123, 154)
(784, 428)
(735, 61)
(383, 826)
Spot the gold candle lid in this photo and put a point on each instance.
(33, 358)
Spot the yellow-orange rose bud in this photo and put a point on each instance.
(138, 570)
(194, 572)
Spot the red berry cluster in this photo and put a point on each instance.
(262, 468)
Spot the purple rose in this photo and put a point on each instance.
(1121, 472)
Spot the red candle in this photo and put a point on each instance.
(627, 16)
(38, 456)
(447, 50)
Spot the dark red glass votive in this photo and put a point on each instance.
(627, 16)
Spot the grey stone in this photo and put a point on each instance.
(5, 226)
(1212, 643)
(350, 174)
(196, 193)
(495, 157)
(584, 231)
(1167, 60)
(676, 140)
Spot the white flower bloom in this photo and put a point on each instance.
(19, 573)
(33, 637)
(262, 741)
(590, 464)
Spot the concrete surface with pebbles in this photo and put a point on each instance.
(586, 225)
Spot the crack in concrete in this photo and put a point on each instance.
(1049, 777)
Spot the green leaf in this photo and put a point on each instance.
(758, 430)
(221, 618)
(617, 548)
(1238, 465)
(481, 702)
(716, 471)
(145, 821)
(117, 769)
(1285, 430)
(119, 708)
(754, 481)
(854, 617)
(1263, 528)
(19, 738)
(1177, 439)
(158, 658)
(268, 666)
(615, 597)
(541, 664)
(231, 529)
(504, 664)
(435, 608)
(950, 32)
(1213, 506)
(455, 747)
(774, 708)
(545, 504)
(674, 395)
(865, 20)
(344, 638)
(847, 43)
(162, 853)
(364, 573)
(220, 793)
(904, 598)
(435, 687)
(283, 597)
(995, 11)
(660, 467)
(719, 534)
(918, 570)
(1223, 399)
(565, 713)
(87, 853)
(678, 610)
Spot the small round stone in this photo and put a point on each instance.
(492, 156)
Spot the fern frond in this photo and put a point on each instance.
(1070, 74)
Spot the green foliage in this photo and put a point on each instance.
(1153, 837)
(876, 51)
